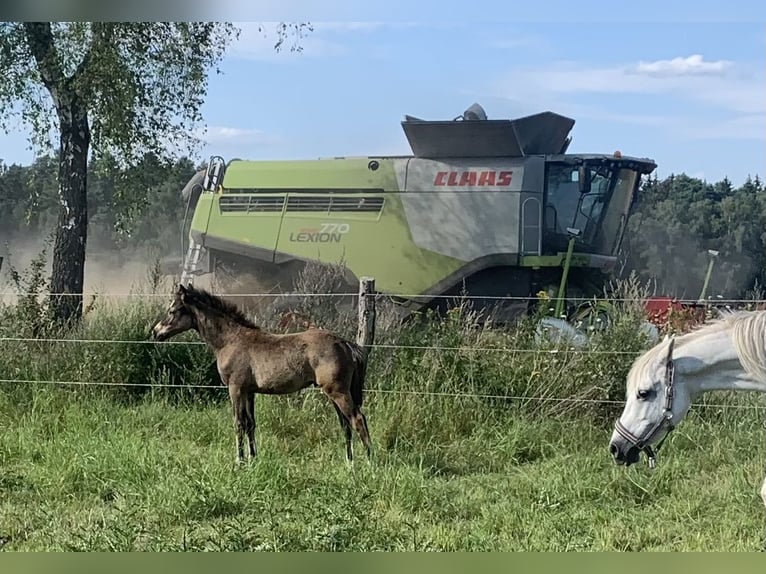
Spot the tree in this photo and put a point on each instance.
(678, 219)
(127, 88)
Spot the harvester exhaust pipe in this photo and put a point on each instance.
(713, 254)
(573, 235)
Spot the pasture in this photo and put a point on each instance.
(482, 440)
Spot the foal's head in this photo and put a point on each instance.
(179, 317)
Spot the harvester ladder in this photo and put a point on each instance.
(191, 262)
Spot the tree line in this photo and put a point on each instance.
(675, 220)
(137, 208)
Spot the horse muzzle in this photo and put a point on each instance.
(624, 453)
(156, 334)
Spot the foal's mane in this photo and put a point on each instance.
(748, 331)
(202, 298)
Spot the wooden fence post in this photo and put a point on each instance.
(365, 334)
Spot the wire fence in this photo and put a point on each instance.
(458, 349)
(409, 296)
(444, 394)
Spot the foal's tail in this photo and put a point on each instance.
(359, 357)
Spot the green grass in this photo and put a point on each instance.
(82, 472)
(152, 468)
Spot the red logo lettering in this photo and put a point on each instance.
(504, 178)
(487, 178)
(470, 178)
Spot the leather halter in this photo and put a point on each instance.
(642, 443)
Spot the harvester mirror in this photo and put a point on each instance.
(214, 175)
(583, 179)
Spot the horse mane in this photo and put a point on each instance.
(749, 336)
(748, 332)
(200, 297)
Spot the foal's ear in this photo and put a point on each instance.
(181, 290)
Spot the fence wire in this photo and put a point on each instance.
(459, 297)
(372, 346)
(443, 394)
(411, 296)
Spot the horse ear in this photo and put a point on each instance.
(181, 289)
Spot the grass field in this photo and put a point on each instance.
(87, 473)
(133, 468)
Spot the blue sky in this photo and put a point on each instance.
(692, 96)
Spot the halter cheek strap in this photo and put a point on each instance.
(642, 443)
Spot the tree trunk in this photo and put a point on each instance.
(68, 274)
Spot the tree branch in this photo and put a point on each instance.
(40, 40)
(101, 33)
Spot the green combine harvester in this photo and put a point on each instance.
(494, 209)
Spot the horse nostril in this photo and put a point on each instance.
(613, 449)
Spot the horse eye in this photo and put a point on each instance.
(643, 394)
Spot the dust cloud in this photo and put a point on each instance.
(111, 274)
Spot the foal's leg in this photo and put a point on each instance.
(346, 405)
(250, 427)
(346, 426)
(238, 399)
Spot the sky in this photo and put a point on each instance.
(690, 95)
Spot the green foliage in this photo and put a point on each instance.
(126, 89)
(142, 83)
(678, 219)
(473, 448)
(31, 313)
(138, 208)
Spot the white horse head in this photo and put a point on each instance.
(654, 403)
(729, 353)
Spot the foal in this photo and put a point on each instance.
(251, 360)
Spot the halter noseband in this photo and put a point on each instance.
(642, 443)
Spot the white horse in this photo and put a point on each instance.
(726, 354)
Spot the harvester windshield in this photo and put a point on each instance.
(598, 213)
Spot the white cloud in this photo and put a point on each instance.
(693, 65)
(225, 135)
(722, 85)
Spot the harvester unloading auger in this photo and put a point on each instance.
(495, 209)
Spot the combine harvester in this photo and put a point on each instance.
(494, 209)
